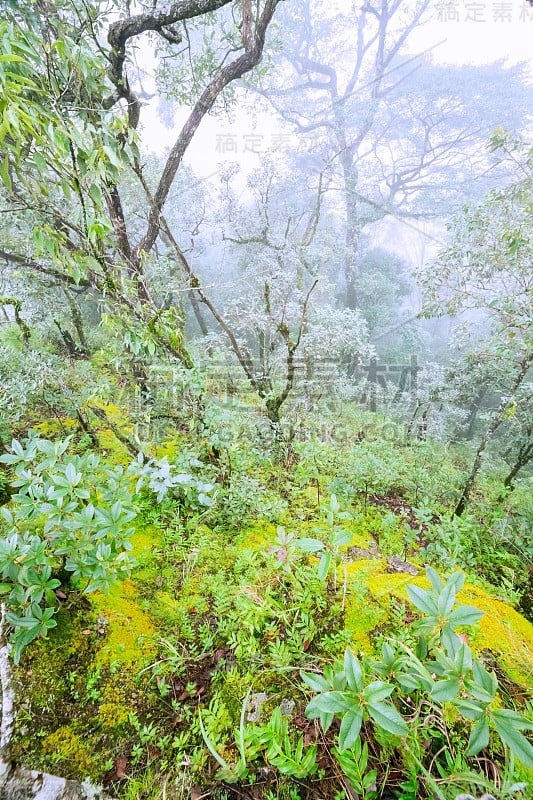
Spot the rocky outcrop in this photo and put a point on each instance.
(24, 784)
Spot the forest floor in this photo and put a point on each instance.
(184, 680)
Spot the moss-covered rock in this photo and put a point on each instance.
(372, 591)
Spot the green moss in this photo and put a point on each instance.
(167, 611)
(56, 428)
(118, 697)
(234, 687)
(257, 536)
(363, 613)
(54, 711)
(131, 636)
(67, 749)
(110, 447)
(362, 617)
(43, 674)
(169, 449)
(502, 630)
(143, 541)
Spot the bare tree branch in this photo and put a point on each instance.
(231, 72)
(123, 30)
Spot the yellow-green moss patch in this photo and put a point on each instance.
(258, 536)
(66, 748)
(502, 629)
(50, 428)
(131, 636)
(363, 613)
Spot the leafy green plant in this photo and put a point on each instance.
(354, 763)
(291, 759)
(329, 550)
(286, 549)
(163, 478)
(238, 771)
(441, 672)
(69, 517)
(272, 740)
(349, 695)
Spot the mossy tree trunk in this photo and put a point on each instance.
(497, 419)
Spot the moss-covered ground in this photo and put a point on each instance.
(140, 687)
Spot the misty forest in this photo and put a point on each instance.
(266, 280)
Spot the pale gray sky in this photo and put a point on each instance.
(504, 30)
(460, 32)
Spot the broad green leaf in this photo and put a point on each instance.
(350, 728)
(369, 779)
(446, 599)
(330, 702)
(342, 537)
(334, 504)
(478, 692)
(465, 615)
(450, 640)
(353, 671)
(323, 566)
(387, 718)
(17, 448)
(40, 162)
(463, 659)
(377, 691)
(458, 580)
(479, 737)
(517, 743)
(510, 717)
(21, 622)
(469, 709)
(315, 682)
(421, 647)
(444, 691)
(71, 474)
(96, 194)
(309, 545)
(434, 579)
(326, 720)
(9, 458)
(387, 654)
(408, 681)
(422, 601)
(22, 638)
(65, 186)
(485, 678)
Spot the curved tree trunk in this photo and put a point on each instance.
(525, 454)
(497, 419)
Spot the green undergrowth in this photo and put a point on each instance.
(182, 675)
